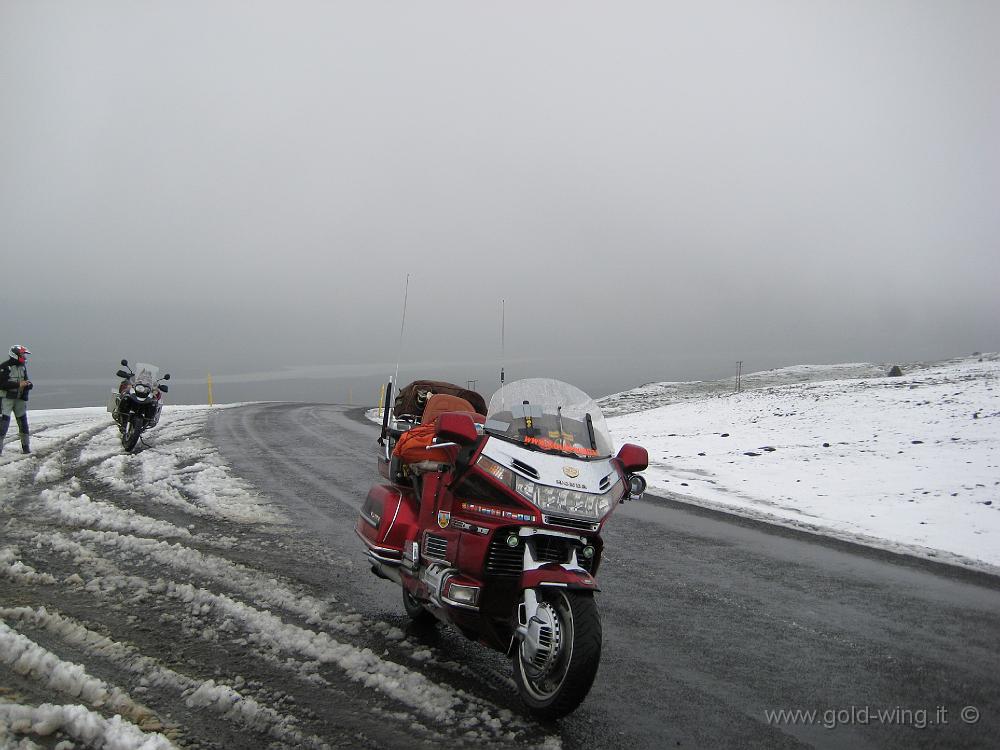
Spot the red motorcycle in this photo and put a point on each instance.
(498, 530)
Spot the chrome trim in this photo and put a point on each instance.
(531, 531)
(571, 523)
(385, 560)
(372, 547)
(460, 605)
(435, 547)
(389, 527)
(435, 574)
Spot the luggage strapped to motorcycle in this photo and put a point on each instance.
(412, 398)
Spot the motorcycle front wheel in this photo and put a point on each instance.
(554, 680)
(131, 435)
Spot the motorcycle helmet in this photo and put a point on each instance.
(20, 353)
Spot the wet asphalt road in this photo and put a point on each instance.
(710, 622)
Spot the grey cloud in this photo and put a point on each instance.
(656, 189)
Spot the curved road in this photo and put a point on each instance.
(710, 622)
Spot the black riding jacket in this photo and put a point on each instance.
(10, 379)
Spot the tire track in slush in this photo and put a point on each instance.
(294, 468)
(24, 590)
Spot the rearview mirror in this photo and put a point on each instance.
(456, 427)
(633, 457)
(122, 374)
(163, 388)
(125, 363)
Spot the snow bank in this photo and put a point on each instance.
(263, 588)
(217, 697)
(86, 513)
(79, 723)
(907, 463)
(13, 569)
(27, 658)
(207, 615)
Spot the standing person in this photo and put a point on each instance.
(14, 387)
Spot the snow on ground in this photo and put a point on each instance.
(907, 463)
(147, 600)
(77, 722)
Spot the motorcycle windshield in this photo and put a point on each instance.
(550, 416)
(146, 374)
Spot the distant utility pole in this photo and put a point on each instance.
(471, 384)
(739, 374)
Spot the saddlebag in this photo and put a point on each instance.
(388, 517)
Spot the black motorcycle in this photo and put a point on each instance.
(137, 404)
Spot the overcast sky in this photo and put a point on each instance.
(656, 189)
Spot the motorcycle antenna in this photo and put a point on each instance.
(503, 324)
(402, 326)
(395, 377)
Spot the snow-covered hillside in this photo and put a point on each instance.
(908, 463)
(652, 395)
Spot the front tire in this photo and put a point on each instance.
(553, 684)
(131, 435)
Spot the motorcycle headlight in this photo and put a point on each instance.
(524, 487)
(571, 502)
(566, 501)
(555, 499)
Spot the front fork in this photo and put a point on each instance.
(538, 625)
(535, 628)
(116, 413)
(527, 614)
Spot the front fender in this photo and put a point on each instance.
(554, 574)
